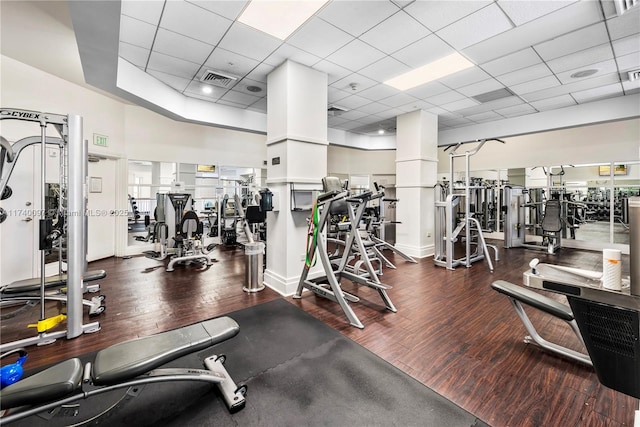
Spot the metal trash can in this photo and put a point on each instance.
(253, 267)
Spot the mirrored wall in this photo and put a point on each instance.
(206, 184)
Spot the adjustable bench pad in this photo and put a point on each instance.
(33, 285)
(53, 383)
(130, 359)
(534, 299)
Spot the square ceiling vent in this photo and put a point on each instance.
(216, 78)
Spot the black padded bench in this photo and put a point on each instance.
(132, 362)
(519, 295)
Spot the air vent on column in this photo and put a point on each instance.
(493, 95)
(217, 78)
(624, 5)
(634, 75)
(334, 110)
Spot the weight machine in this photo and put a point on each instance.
(74, 163)
(449, 226)
(329, 285)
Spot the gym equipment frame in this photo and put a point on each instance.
(70, 129)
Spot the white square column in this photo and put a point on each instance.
(416, 176)
(297, 158)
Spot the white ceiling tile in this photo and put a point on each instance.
(479, 26)
(231, 104)
(260, 105)
(374, 108)
(624, 25)
(387, 37)
(480, 87)
(134, 54)
(319, 38)
(575, 16)
(335, 95)
(170, 65)
(509, 63)
(464, 78)
(456, 122)
(248, 42)
(485, 117)
(384, 69)
(627, 45)
(362, 83)
(436, 110)
(460, 104)
(629, 62)
(604, 68)
(180, 46)
(336, 120)
(581, 58)
(574, 41)
(356, 55)
(423, 105)
(334, 71)
(261, 72)
(631, 87)
(553, 103)
(239, 97)
(438, 14)
(445, 98)
(424, 51)
(353, 115)
(177, 83)
(378, 92)
(398, 100)
(242, 85)
(598, 93)
(535, 85)
(522, 11)
(145, 10)
(491, 105)
(428, 90)
(193, 21)
(230, 62)
(136, 32)
(356, 17)
(194, 89)
(228, 9)
(516, 110)
(287, 51)
(578, 85)
(525, 74)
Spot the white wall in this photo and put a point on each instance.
(354, 161)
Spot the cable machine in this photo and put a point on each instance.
(70, 129)
(448, 226)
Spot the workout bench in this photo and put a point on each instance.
(518, 294)
(130, 363)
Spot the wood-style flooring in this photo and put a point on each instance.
(452, 332)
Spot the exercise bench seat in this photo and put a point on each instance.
(534, 299)
(519, 295)
(137, 361)
(33, 285)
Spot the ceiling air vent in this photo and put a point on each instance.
(334, 110)
(624, 5)
(634, 75)
(217, 78)
(493, 95)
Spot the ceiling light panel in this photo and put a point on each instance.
(279, 18)
(433, 71)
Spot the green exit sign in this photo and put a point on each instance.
(101, 140)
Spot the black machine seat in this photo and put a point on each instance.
(551, 221)
(53, 383)
(135, 357)
(118, 363)
(33, 285)
(190, 226)
(255, 215)
(534, 299)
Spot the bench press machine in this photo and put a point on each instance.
(127, 364)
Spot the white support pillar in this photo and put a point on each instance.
(416, 175)
(297, 156)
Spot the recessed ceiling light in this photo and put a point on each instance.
(207, 89)
(279, 18)
(252, 88)
(380, 131)
(584, 73)
(433, 71)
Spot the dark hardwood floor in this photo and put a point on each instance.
(452, 332)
